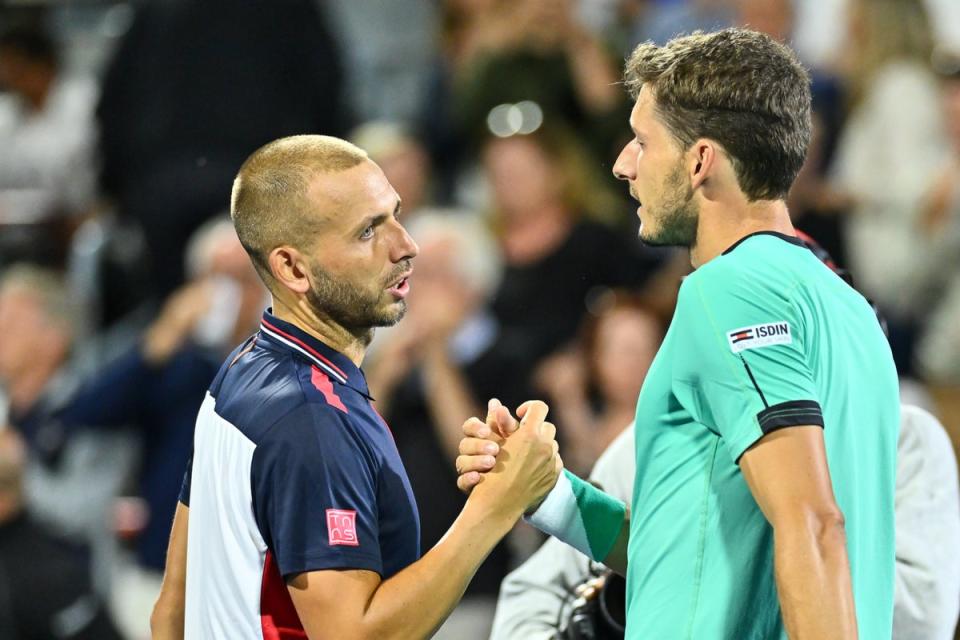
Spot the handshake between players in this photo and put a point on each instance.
(517, 472)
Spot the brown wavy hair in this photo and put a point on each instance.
(737, 87)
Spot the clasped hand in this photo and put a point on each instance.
(519, 461)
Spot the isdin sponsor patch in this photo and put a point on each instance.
(759, 335)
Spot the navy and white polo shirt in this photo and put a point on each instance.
(293, 470)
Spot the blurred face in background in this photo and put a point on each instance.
(228, 259)
(626, 342)
(441, 287)
(545, 23)
(521, 175)
(29, 336)
(408, 169)
(772, 17)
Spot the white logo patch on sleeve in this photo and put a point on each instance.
(759, 335)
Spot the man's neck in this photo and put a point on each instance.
(323, 329)
(721, 225)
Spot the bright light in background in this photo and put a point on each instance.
(507, 120)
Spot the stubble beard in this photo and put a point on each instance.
(356, 310)
(678, 214)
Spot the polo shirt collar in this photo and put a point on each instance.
(334, 364)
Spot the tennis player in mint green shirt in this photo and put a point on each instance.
(766, 428)
(764, 338)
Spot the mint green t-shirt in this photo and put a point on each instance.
(764, 337)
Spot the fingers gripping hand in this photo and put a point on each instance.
(478, 451)
(481, 444)
(527, 465)
(499, 419)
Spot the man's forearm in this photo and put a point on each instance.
(813, 579)
(416, 601)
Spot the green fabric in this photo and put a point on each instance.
(602, 516)
(701, 552)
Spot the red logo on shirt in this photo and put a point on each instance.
(342, 527)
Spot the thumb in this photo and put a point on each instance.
(493, 407)
(506, 422)
(532, 412)
(499, 419)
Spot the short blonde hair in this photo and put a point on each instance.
(269, 199)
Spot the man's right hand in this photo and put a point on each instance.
(527, 464)
(483, 442)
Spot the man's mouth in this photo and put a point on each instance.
(401, 286)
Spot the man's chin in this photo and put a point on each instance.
(393, 315)
(662, 238)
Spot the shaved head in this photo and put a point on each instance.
(270, 203)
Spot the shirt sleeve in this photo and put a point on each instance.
(315, 493)
(743, 371)
(185, 485)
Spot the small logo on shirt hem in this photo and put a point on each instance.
(759, 335)
(342, 527)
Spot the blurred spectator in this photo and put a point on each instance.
(403, 159)
(938, 353)
(927, 505)
(557, 259)
(665, 20)
(772, 17)
(45, 584)
(939, 350)
(47, 169)
(192, 89)
(536, 50)
(156, 388)
(887, 158)
(593, 392)
(814, 206)
(387, 49)
(437, 368)
(69, 486)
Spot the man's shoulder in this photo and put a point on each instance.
(758, 267)
(260, 387)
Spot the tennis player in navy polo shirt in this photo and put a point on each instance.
(301, 518)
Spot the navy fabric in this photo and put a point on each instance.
(161, 403)
(320, 447)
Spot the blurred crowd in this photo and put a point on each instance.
(122, 284)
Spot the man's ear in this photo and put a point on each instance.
(702, 158)
(289, 269)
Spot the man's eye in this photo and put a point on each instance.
(367, 233)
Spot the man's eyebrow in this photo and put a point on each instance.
(377, 219)
(373, 221)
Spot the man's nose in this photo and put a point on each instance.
(406, 248)
(623, 167)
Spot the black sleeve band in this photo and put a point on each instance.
(790, 414)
